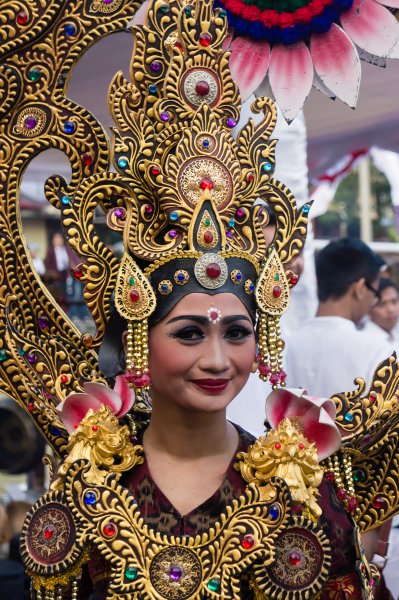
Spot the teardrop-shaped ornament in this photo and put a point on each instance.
(207, 234)
(134, 296)
(272, 290)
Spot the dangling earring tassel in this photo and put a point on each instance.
(270, 350)
(138, 373)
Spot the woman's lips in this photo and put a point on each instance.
(212, 386)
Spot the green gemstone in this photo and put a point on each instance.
(214, 584)
(359, 475)
(131, 573)
(34, 74)
(164, 9)
(277, 277)
(131, 281)
(3, 354)
(207, 222)
(223, 13)
(188, 10)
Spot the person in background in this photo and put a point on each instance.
(384, 317)
(37, 261)
(57, 266)
(328, 352)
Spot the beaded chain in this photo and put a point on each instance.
(343, 482)
(270, 350)
(137, 354)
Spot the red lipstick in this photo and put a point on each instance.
(211, 386)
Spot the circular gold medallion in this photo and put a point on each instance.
(176, 573)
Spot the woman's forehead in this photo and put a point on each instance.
(199, 303)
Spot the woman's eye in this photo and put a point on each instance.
(188, 334)
(238, 333)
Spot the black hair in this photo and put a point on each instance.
(341, 263)
(386, 283)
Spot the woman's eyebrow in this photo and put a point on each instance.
(204, 320)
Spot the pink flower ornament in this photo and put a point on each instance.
(317, 417)
(75, 406)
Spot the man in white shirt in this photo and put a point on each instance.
(328, 352)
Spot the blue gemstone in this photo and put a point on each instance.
(152, 88)
(122, 162)
(274, 512)
(90, 498)
(232, 223)
(222, 14)
(205, 143)
(305, 208)
(70, 29)
(238, 276)
(348, 417)
(54, 430)
(21, 352)
(174, 216)
(267, 167)
(252, 287)
(180, 277)
(164, 287)
(69, 126)
(65, 200)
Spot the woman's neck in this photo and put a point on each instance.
(186, 434)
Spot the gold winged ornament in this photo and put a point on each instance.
(182, 198)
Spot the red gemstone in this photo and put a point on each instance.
(330, 476)
(373, 397)
(140, 381)
(341, 493)
(202, 88)
(297, 508)
(206, 184)
(283, 375)
(213, 270)
(213, 316)
(155, 170)
(205, 39)
(31, 406)
(64, 378)
(352, 504)
(179, 45)
(277, 445)
(109, 529)
(294, 558)
(87, 159)
(94, 428)
(301, 446)
(294, 280)
(250, 176)
(378, 502)
(264, 369)
(277, 291)
(274, 378)
(22, 18)
(77, 272)
(208, 237)
(49, 532)
(247, 542)
(134, 296)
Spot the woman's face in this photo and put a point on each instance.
(202, 352)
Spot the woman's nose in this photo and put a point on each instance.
(215, 357)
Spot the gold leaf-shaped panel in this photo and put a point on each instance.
(272, 290)
(134, 297)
